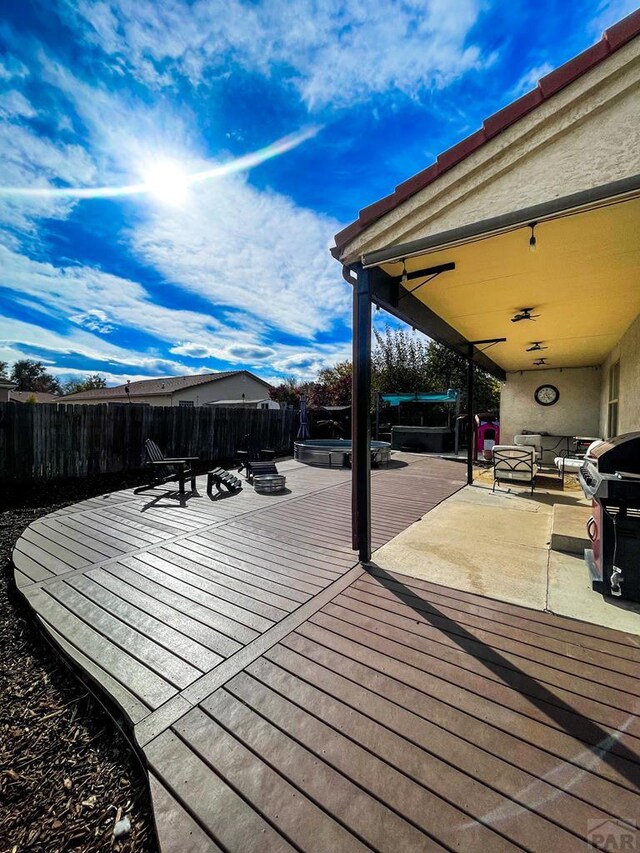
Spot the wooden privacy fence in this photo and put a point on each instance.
(47, 441)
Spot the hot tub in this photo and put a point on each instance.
(336, 452)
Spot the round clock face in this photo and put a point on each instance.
(547, 395)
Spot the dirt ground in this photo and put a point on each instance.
(67, 775)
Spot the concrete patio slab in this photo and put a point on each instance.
(490, 544)
(499, 543)
(569, 529)
(570, 594)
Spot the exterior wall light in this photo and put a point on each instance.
(532, 239)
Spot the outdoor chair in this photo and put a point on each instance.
(255, 460)
(530, 440)
(514, 463)
(167, 470)
(571, 463)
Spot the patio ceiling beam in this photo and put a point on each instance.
(387, 293)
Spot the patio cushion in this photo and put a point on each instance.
(570, 465)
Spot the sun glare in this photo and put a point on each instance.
(167, 181)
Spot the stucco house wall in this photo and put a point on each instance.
(627, 352)
(577, 411)
(230, 388)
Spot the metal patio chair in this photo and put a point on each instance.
(514, 464)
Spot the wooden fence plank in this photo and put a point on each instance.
(51, 441)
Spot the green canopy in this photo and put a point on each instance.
(450, 396)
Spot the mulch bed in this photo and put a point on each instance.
(67, 775)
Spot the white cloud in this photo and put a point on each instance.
(529, 80)
(31, 160)
(335, 53)
(28, 339)
(72, 292)
(64, 293)
(14, 103)
(12, 68)
(95, 320)
(256, 251)
(65, 373)
(609, 12)
(235, 353)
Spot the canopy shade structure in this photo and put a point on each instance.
(450, 396)
(518, 248)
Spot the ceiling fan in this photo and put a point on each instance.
(540, 362)
(524, 314)
(536, 346)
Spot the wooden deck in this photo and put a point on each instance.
(286, 698)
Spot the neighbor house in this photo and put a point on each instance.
(520, 249)
(193, 390)
(6, 387)
(33, 397)
(9, 395)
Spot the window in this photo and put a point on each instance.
(614, 391)
(186, 403)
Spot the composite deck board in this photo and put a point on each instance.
(477, 748)
(256, 552)
(139, 616)
(624, 643)
(222, 641)
(494, 648)
(143, 683)
(301, 578)
(120, 536)
(252, 582)
(253, 604)
(569, 656)
(285, 700)
(396, 770)
(114, 628)
(587, 720)
(244, 622)
(186, 625)
(563, 637)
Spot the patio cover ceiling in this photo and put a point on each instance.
(583, 280)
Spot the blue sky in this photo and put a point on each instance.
(232, 271)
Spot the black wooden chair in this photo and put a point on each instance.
(167, 470)
(255, 460)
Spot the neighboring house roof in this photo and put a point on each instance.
(158, 387)
(614, 38)
(29, 396)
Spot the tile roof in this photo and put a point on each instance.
(161, 385)
(613, 39)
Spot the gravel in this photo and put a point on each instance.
(68, 777)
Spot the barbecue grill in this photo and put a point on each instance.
(610, 476)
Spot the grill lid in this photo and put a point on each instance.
(621, 453)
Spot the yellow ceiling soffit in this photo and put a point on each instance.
(582, 279)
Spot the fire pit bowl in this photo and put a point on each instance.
(268, 484)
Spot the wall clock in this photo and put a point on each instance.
(546, 395)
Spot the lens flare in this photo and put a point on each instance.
(167, 181)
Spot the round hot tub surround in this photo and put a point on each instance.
(336, 452)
